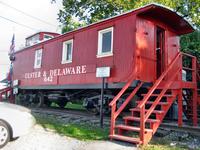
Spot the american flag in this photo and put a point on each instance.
(12, 46)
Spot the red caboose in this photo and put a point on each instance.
(141, 48)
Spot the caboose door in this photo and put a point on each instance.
(160, 51)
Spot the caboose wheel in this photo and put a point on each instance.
(93, 111)
(38, 101)
(22, 99)
(62, 103)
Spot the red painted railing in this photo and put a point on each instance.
(113, 103)
(156, 84)
(177, 62)
(165, 88)
(195, 76)
(144, 116)
(198, 79)
(169, 81)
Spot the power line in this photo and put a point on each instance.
(26, 14)
(18, 23)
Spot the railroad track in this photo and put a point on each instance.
(185, 128)
(71, 116)
(60, 111)
(77, 116)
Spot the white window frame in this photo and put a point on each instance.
(38, 58)
(100, 37)
(64, 52)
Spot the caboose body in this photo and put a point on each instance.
(140, 43)
(141, 48)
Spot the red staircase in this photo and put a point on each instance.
(150, 110)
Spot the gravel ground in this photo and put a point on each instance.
(43, 139)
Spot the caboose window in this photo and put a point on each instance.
(105, 42)
(38, 58)
(67, 51)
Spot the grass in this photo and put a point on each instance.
(70, 106)
(74, 106)
(81, 132)
(88, 132)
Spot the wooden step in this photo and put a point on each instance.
(154, 111)
(156, 95)
(131, 128)
(125, 138)
(131, 118)
(151, 102)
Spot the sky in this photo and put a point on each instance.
(41, 9)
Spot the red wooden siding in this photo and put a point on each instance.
(85, 45)
(133, 49)
(145, 49)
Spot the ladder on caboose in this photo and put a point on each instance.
(150, 110)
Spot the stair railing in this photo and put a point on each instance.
(115, 113)
(159, 80)
(165, 88)
(141, 105)
(195, 76)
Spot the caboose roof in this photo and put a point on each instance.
(155, 11)
(168, 16)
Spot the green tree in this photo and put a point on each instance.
(77, 13)
(89, 11)
(191, 43)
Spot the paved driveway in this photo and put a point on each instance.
(42, 139)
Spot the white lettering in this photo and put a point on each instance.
(78, 70)
(73, 71)
(59, 74)
(51, 73)
(64, 72)
(44, 73)
(56, 72)
(68, 71)
(84, 69)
